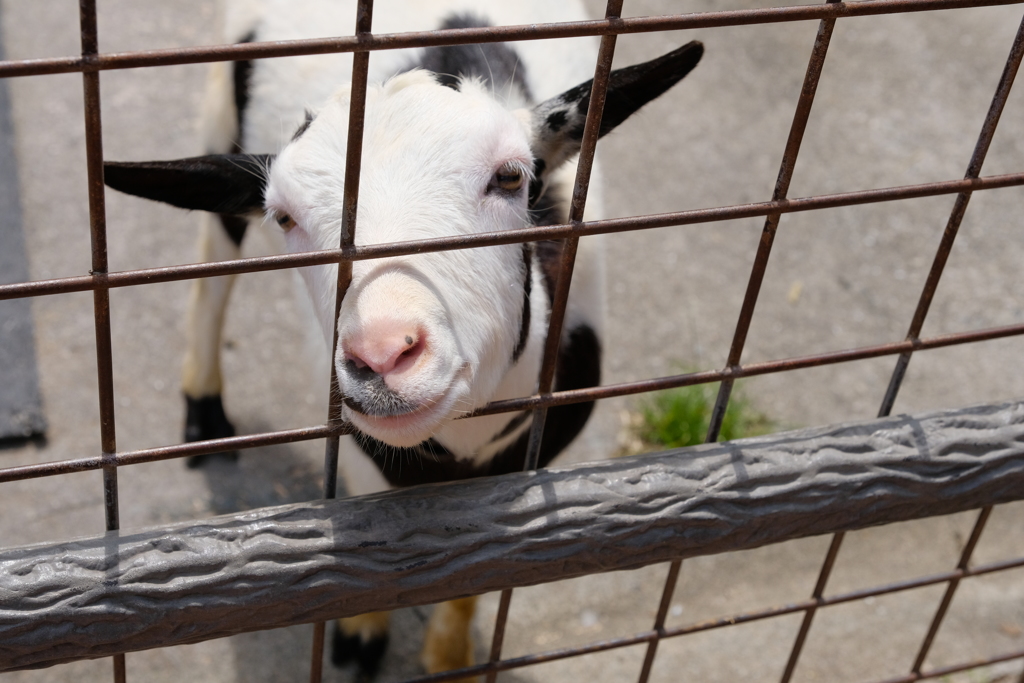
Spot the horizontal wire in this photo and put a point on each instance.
(547, 400)
(395, 41)
(190, 271)
(743, 618)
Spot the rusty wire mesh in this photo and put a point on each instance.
(99, 281)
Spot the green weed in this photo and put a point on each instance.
(679, 417)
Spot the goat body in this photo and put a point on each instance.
(458, 140)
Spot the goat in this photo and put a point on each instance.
(456, 141)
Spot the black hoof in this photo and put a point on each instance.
(205, 419)
(367, 655)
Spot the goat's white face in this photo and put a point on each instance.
(422, 338)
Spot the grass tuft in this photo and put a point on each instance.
(679, 417)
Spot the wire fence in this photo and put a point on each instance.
(100, 281)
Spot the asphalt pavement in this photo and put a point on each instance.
(21, 409)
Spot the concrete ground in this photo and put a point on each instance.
(901, 101)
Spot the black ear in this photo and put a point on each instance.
(221, 183)
(558, 122)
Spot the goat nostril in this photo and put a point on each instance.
(413, 346)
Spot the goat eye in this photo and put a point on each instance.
(285, 221)
(509, 178)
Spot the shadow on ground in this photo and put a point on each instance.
(278, 475)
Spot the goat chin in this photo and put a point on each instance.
(405, 430)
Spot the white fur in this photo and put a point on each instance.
(428, 154)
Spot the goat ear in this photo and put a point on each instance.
(558, 123)
(221, 183)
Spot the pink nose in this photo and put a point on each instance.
(385, 346)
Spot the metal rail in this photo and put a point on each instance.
(303, 562)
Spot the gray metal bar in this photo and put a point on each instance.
(299, 563)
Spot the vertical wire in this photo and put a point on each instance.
(350, 201)
(500, 622)
(988, 131)
(782, 183)
(931, 284)
(947, 597)
(830, 556)
(98, 235)
(591, 132)
(764, 247)
(981, 148)
(659, 621)
(800, 117)
(819, 591)
(99, 269)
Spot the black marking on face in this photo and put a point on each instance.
(408, 340)
(234, 226)
(494, 63)
(578, 367)
(549, 209)
(549, 254)
(524, 321)
(305, 125)
(536, 187)
(537, 184)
